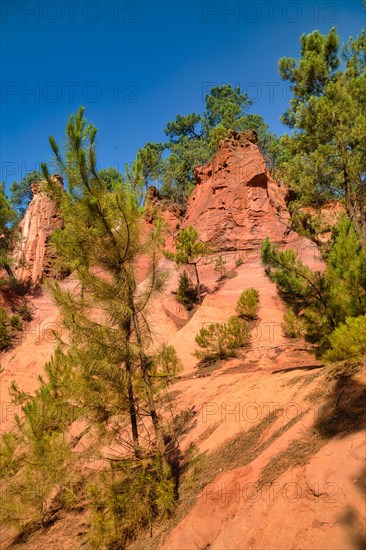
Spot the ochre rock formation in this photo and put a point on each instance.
(170, 214)
(33, 255)
(236, 203)
(313, 495)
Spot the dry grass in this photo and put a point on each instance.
(201, 469)
(208, 431)
(296, 454)
(304, 379)
(344, 412)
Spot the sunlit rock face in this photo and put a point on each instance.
(33, 255)
(236, 203)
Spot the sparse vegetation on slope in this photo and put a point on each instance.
(248, 303)
(189, 251)
(319, 302)
(221, 340)
(186, 293)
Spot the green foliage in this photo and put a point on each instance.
(150, 159)
(9, 456)
(186, 293)
(36, 457)
(7, 213)
(193, 139)
(110, 338)
(111, 177)
(248, 303)
(220, 264)
(293, 278)
(16, 322)
(221, 340)
(305, 223)
(321, 301)
(105, 375)
(5, 334)
(348, 340)
(291, 326)
(21, 193)
(325, 153)
(8, 218)
(25, 312)
(239, 262)
(127, 498)
(189, 250)
(304, 290)
(25, 499)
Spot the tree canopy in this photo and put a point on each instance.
(326, 155)
(194, 138)
(20, 192)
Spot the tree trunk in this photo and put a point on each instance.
(144, 364)
(152, 408)
(198, 283)
(355, 206)
(131, 397)
(132, 410)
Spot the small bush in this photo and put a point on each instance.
(248, 302)
(220, 264)
(16, 322)
(129, 498)
(348, 341)
(221, 340)
(25, 312)
(186, 293)
(5, 335)
(239, 262)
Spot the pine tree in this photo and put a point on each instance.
(101, 240)
(321, 300)
(221, 340)
(189, 251)
(186, 293)
(151, 163)
(194, 138)
(36, 461)
(220, 264)
(328, 116)
(247, 305)
(8, 218)
(21, 194)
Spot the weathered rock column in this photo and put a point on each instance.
(33, 255)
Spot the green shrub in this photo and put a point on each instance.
(186, 293)
(25, 312)
(321, 300)
(221, 340)
(5, 335)
(128, 498)
(348, 341)
(239, 262)
(248, 302)
(16, 322)
(220, 264)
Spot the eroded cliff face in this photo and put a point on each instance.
(33, 254)
(236, 203)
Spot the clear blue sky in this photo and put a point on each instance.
(134, 65)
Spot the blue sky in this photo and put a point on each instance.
(135, 65)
